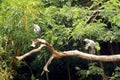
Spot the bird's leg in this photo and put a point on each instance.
(91, 50)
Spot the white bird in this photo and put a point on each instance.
(37, 30)
(91, 45)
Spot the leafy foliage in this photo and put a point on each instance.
(116, 74)
(92, 70)
(64, 23)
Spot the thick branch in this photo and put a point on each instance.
(107, 58)
(56, 54)
(52, 49)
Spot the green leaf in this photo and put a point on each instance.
(97, 46)
(32, 77)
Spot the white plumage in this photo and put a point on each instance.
(90, 43)
(37, 30)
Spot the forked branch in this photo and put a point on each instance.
(56, 54)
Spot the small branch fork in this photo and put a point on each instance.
(42, 43)
(55, 54)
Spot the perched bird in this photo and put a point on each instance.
(37, 30)
(90, 45)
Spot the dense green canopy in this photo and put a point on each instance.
(65, 24)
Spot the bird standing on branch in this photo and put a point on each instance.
(90, 46)
(37, 30)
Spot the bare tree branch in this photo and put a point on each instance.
(30, 52)
(45, 69)
(56, 54)
(107, 58)
(52, 49)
